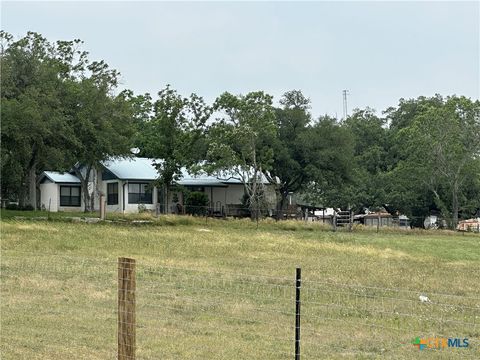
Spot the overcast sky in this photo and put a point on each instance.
(379, 51)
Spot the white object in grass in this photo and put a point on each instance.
(424, 299)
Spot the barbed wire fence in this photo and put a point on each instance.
(84, 307)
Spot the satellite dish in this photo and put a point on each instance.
(135, 151)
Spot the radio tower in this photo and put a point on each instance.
(345, 108)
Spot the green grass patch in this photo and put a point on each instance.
(223, 289)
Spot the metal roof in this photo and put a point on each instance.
(58, 177)
(201, 182)
(203, 179)
(138, 168)
(132, 168)
(143, 169)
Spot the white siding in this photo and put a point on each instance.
(117, 207)
(49, 196)
(133, 208)
(235, 194)
(219, 196)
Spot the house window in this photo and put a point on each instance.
(139, 193)
(69, 195)
(196, 188)
(112, 193)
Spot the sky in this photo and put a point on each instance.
(379, 51)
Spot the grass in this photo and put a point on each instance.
(41, 214)
(223, 289)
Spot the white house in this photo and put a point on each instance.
(128, 183)
(60, 192)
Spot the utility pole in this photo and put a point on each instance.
(345, 108)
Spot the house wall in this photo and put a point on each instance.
(49, 198)
(133, 208)
(117, 207)
(219, 196)
(230, 198)
(234, 194)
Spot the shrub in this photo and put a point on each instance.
(15, 206)
(196, 203)
(12, 206)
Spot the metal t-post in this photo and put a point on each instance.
(298, 284)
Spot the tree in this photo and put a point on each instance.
(370, 159)
(401, 116)
(328, 151)
(403, 192)
(102, 125)
(141, 107)
(442, 152)
(175, 135)
(35, 134)
(57, 108)
(289, 167)
(240, 142)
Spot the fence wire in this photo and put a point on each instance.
(67, 308)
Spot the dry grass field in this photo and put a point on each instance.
(225, 290)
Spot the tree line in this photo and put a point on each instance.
(59, 108)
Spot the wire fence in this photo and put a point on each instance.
(71, 308)
(57, 306)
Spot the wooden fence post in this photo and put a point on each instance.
(126, 309)
(102, 207)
